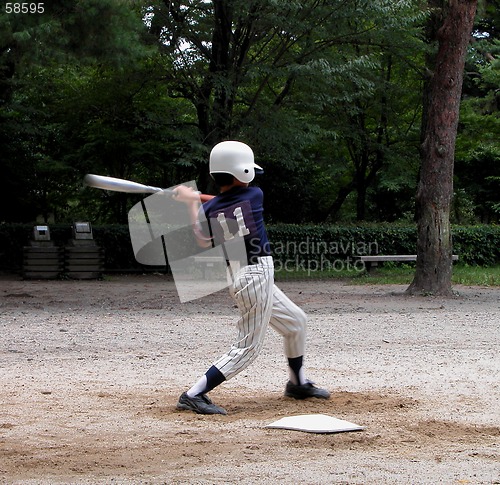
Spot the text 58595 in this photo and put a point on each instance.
(24, 7)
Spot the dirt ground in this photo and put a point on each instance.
(91, 372)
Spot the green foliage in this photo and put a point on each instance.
(331, 243)
(118, 252)
(312, 248)
(304, 83)
(476, 275)
(49, 64)
(475, 245)
(327, 93)
(477, 150)
(403, 274)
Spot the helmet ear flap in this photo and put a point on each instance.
(222, 179)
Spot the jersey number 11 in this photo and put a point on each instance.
(242, 228)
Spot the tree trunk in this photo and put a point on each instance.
(442, 95)
(361, 188)
(332, 211)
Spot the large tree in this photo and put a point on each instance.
(451, 26)
(266, 71)
(41, 55)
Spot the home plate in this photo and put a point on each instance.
(315, 423)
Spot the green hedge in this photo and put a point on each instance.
(339, 242)
(476, 245)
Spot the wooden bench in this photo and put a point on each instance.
(373, 260)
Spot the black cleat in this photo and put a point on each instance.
(199, 404)
(305, 391)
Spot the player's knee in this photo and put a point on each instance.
(296, 329)
(301, 318)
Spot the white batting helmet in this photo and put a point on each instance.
(235, 158)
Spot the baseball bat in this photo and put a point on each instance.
(121, 185)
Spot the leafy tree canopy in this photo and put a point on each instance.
(327, 93)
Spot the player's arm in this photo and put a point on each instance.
(206, 197)
(192, 199)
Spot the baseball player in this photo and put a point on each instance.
(259, 300)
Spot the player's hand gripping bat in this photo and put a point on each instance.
(121, 185)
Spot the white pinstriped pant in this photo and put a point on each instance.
(261, 303)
